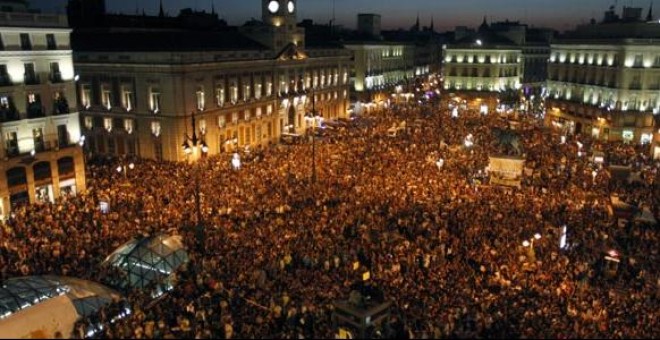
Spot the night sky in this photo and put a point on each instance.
(559, 14)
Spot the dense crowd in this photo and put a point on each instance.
(441, 243)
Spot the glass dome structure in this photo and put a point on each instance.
(41, 306)
(148, 263)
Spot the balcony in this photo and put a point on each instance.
(31, 79)
(8, 114)
(55, 77)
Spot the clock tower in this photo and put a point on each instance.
(278, 28)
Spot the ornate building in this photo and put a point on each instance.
(604, 79)
(478, 67)
(38, 118)
(245, 85)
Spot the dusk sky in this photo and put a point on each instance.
(559, 14)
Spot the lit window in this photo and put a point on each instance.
(269, 89)
(89, 123)
(32, 98)
(202, 126)
(107, 124)
(247, 115)
(220, 96)
(221, 121)
(86, 96)
(246, 92)
(257, 91)
(234, 117)
(154, 100)
(127, 99)
(4, 102)
(128, 125)
(234, 94)
(106, 98)
(269, 110)
(200, 98)
(258, 112)
(155, 128)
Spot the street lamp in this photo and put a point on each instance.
(188, 149)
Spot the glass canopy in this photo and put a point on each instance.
(148, 263)
(23, 292)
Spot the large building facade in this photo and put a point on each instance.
(139, 88)
(479, 67)
(604, 80)
(40, 126)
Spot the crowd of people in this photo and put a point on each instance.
(441, 243)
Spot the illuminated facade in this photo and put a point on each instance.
(380, 65)
(138, 97)
(480, 67)
(604, 81)
(38, 117)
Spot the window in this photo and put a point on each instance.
(258, 112)
(220, 96)
(246, 92)
(234, 94)
(11, 140)
(86, 95)
(154, 100)
(112, 147)
(155, 128)
(222, 121)
(38, 138)
(62, 136)
(26, 44)
(200, 98)
(246, 115)
(55, 74)
(34, 108)
(5, 80)
(128, 125)
(257, 91)
(127, 99)
(30, 74)
(269, 110)
(234, 117)
(2, 44)
(50, 41)
(639, 61)
(106, 97)
(107, 124)
(269, 89)
(656, 63)
(60, 104)
(202, 126)
(158, 150)
(89, 122)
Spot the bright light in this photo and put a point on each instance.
(76, 77)
(563, 140)
(33, 152)
(236, 161)
(119, 168)
(479, 42)
(537, 236)
(205, 148)
(440, 163)
(454, 113)
(131, 166)
(580, 145)
(525, 243)
(81, 141)
(562, 239)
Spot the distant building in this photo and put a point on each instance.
(604, 79)
(389, 59)
(369, 25)
(478, 67)
(142, 78)
(38, 116)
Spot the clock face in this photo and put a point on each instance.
(273, 6)
(291, 6)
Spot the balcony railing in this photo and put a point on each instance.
(31, 79)
(55, 77)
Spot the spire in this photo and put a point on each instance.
(417, 23)
(484, 25)
(649, 17)
(432, 30)
(161, 13)
(212, 7)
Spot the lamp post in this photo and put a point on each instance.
(188, 149)
(529, 244)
